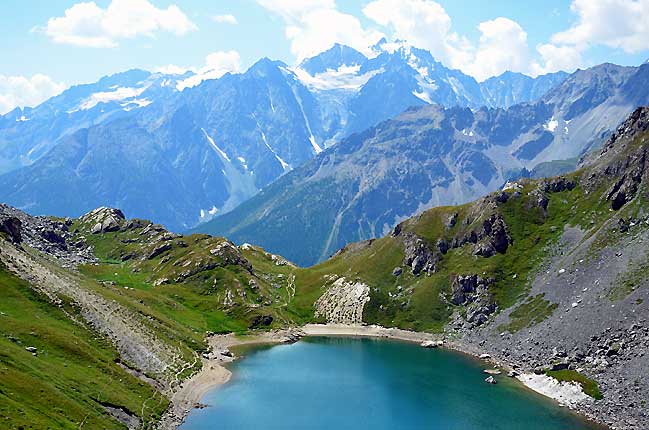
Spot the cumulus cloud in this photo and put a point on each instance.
(216, 65)
(21, 91)
(424, 24)
(225, 19)
(614, 23)
(313, 26)
(555, 58)
(502, 47)
(86, 24)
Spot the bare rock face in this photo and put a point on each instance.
(472, 291)
(419, 256)
(493, 237)
(540, 194)
(48, 235)
(625, 189)
(343, 302)
(625, 161)
(11, 226)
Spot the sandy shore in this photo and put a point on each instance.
(215, 374)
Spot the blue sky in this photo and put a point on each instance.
(67, 42)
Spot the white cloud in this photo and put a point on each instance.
(313, 26)
(503, 46)
(423, 23)
(555, 58)
(225, 19)
(216, 65)
(86, 24)
(21, 91)
(622, 24)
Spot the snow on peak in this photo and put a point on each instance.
(345, 77)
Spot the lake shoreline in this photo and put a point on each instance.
(214, 372)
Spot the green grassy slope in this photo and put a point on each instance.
(72, 374)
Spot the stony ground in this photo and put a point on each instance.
(605, 339)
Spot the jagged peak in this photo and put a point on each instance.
(264, 65)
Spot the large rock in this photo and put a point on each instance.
(495, 238)
(11, 226)
(418, 255)
(104, 219)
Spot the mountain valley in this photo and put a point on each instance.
(545, 276)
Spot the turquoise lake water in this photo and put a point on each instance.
(349, 383)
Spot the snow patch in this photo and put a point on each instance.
(135, 104)
(22, 118)
(315, 146)
(208, 215)
(345, 78)
(551, 125)
(120, 93)
(284, 164)
(422, 95)
(215, 147)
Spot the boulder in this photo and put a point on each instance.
(12, 226)
(491, 380)
(164, 247)
(109, 224)
(261, 320)
(451, 220)
(397, 271)
(431, 344)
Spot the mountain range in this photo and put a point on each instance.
(430, 156)
(181, 150)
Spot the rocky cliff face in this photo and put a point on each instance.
(343, 302)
